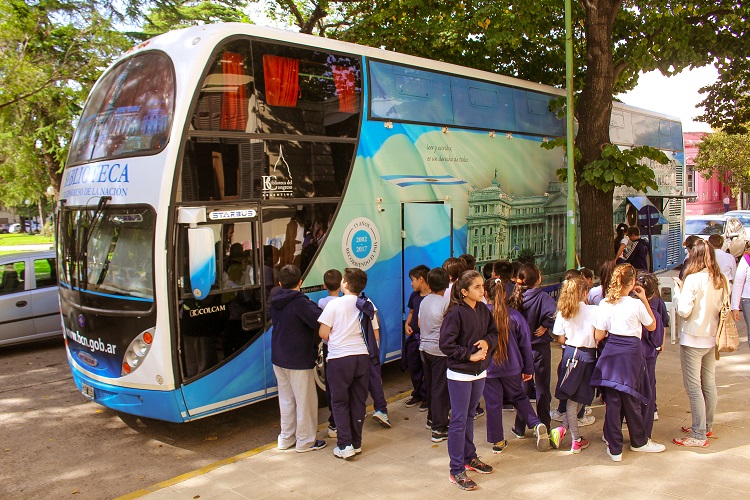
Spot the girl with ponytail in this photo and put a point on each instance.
(574, 327)
(538, 309)
(511, 364)
(620, 372)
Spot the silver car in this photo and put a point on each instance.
(29, 305)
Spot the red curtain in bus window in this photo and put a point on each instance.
(234, 103)
(343, 76)
(282, 80)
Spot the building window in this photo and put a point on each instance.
(483, 231)
(690, 179)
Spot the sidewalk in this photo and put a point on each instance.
(402, 462)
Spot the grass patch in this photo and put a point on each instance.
(10, 240)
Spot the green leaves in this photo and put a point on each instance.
(623, 167)
(727, 155)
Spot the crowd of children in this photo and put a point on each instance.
(469, 336)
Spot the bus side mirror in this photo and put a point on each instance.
(201, 251)
(202, 257)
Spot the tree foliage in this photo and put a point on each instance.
(727, 103)
(727, 155)
(184, 13)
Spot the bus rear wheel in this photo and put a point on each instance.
(319, 372)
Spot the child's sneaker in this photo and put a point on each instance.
(317, 445)
(656, 416)
(615, 458)
(428, 425)
(411, 402)
(542, 438)
(519, 434)
(649, 447)
(556, 415)
(556, 436)
(691, 441)
(332, 432)
(424, 406)
(579, 445)
(382, 419)
(500, 446)
(462, 481)
(478, 466)
(709, 434)
(586, 420)
(438, 436)
(588, 411)
(346, 453)
(479, 413)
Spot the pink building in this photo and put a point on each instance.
(710, 192)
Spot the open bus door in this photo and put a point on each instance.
(225, 319)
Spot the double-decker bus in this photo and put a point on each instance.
(206, 159)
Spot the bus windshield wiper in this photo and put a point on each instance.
(83, 256)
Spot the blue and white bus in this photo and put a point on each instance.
(207, 158)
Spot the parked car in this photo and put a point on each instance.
(730, 228)
(29, 305)
(742, 215)
(3, 228)
(14, 228)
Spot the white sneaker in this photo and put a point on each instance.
(542, 437)
(347, 452)
(332, 432)
(382, 418)
(649, 447)
(615, 458)
(556, 415)
(586, 420)
(656, 416)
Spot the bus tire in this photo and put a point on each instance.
(320, 374)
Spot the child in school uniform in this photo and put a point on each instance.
(651, 343)
(349, 365)
(620, 372)
(539, 310)
(431, 312)
(332, 282)
(510, 365)
(574, 327)
(467, 337)
(418, 277)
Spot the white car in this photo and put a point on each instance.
(14, 228)
(729, 227)
(742, 215)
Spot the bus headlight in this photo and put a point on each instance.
(136, 351)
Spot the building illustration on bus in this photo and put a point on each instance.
(207, 158)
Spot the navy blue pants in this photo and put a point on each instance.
(375, 388)
(621, 404)
(331, 421)
(506, 390)
(464, 398)
(436, 387)
(542, 355)
(648, 410)
(416, 371)
(348, 378)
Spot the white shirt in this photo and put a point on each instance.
(726, 263)
(741, 286)
(626, 317)
(596, 295)
(699, 303)
(342, 315)
(578, 330)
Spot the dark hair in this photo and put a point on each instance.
(487, 270)
(571, 273)
(471, 261)
(496, 292)
(526, 279)
(289, 276)
(649, 282)
(419, 272)
(455, 267)
(438, 279)
(587, 273)
(516, 265)
(634, 231)
(716, 240)
(621, 229)
(702, 257)
(690, 241)
(503, 269)
(605, 274)
(356, 279)
(332, 280)
(462, 283)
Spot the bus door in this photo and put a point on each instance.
(427, 237)
(220, 326)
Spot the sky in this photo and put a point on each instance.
(676, 96)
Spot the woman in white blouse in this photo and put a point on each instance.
(700, 297)
(741, 290)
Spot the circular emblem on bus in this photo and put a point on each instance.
(81, 320)
(361, 243)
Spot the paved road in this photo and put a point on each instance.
(54, 443)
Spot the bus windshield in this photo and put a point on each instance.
(129, 112)
(108, 255)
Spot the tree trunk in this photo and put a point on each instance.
(594, 112)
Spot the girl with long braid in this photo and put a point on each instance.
(621, 370)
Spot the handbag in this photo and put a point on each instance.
(727, 336)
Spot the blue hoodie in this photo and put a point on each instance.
(519, 349)
(294, 337)
(650, 341)
(462, 327)
(539, 309)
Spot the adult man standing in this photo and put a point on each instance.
(293, 354)
(726, 261)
